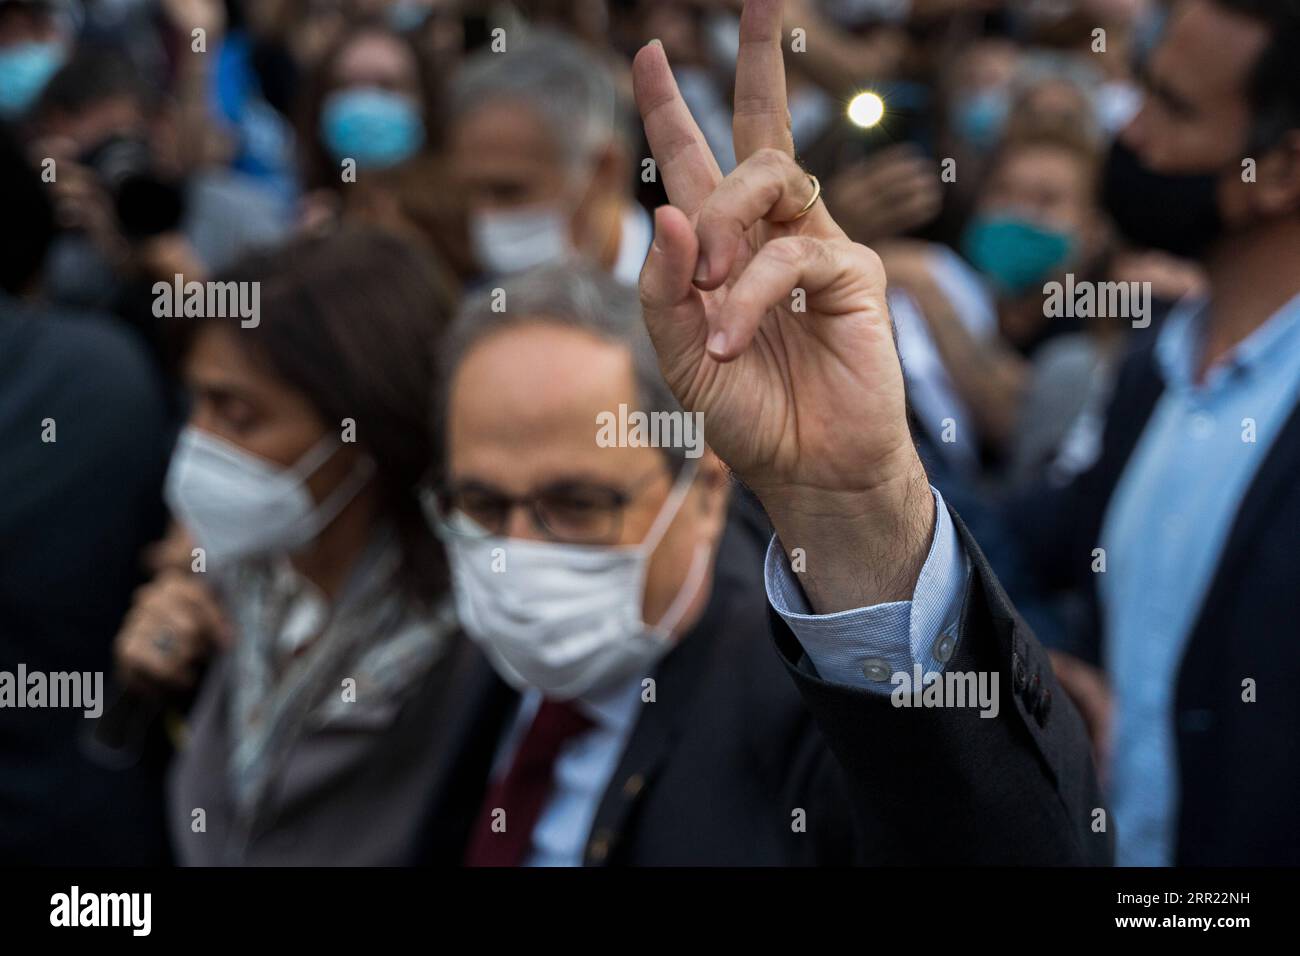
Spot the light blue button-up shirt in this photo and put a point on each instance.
(898, 635)
(901, 633)
(1164, 534)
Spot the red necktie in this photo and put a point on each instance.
(524, 788)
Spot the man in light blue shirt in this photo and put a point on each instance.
(1164, 536)
(1184, 529)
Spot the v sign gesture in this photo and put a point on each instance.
(805, 405)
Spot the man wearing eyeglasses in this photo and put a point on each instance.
(621, 703)
(633, 713)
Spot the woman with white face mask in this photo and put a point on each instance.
(318, 604)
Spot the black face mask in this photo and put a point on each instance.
(1177, 214)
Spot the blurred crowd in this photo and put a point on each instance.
(380, 170)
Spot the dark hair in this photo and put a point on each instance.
(319, 169)
(1275, 83)
(1063, 136)
(351, 321)
(93, 75)
(29, 217)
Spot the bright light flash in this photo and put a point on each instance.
(866, 110)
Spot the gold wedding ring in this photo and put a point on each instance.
(817, 194)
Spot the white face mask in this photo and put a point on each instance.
(563, 618)
(237, 504)
(515, 240)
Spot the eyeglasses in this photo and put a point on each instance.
(566, 512)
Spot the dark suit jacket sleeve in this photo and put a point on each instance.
(945, 785)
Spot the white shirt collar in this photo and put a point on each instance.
(634, 240)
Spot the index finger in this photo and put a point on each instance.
(762, 116)
(690, 172)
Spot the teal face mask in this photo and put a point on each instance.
(1016, 255)
(24, 71)
(375, 127)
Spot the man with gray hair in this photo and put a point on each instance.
(620, 702)
(540, 150)
(617, 703)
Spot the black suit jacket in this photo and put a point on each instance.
(74, 517)
(715, 767)
(719, 767)
(1239, 763)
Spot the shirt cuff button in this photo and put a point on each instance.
(875, 669)
(943, 648)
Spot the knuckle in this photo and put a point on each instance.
(152, 603)
(649, 301)
(792, 250)
(171, 584)
(869, 258)
(771, 158)
(718, 219)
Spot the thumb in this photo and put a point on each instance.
(673, 308)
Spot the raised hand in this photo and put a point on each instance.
(773, 324)
(886, 195)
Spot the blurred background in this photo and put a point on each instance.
(145, 139)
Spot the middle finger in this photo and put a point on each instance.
(762, 117)
(769, 186)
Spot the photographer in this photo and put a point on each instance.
(129, 210)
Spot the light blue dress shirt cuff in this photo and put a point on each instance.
(866, 646)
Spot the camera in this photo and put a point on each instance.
(146, 202)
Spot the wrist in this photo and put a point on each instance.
(856, 548)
